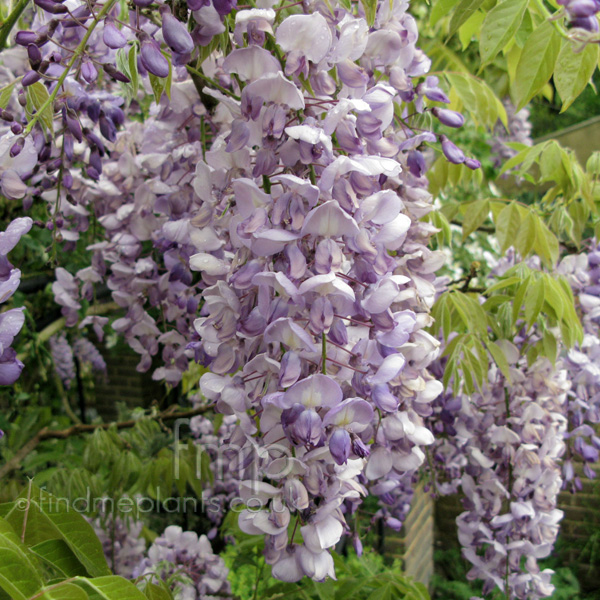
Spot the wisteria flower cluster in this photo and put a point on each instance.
(583, 366)
(11, 321)
(198, 572)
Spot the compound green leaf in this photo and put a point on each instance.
(536, 64)
(462, 13)
(499, 27)
(573, 71)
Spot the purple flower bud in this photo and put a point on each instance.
(93, 111)
(7, 116)
(357, 545)
(197, 4)
(339, 445)
(115, 74)
(24, 38)
(359, 448)
(472, 163)
(448, 117)
(153, 59)
(81, 14)
(452, 152)
(416, 163)
(587, 23)
(108, 128)
(16, 128)
(112, 36)
(34, 55)
(224, 7)
(89, 71)
(67, 180)
(436, 95)
(17, 147)
(175, 33)
(143, 3)
(54, 8)
(581, 8)
(30, 78)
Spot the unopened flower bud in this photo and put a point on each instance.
(34, 55)
(16, 148)
(89, 71)
(7, 116)
(112, 36)
(16, 128)
(152, 58)
(452, 152)
(54, 8)
(175, 33)
(472, 163)
(115, 74)
(448, 117)
(339, 446)
(24, 38)
(30, 78)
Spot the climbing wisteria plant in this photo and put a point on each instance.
(240, 194)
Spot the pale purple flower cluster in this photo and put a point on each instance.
(62, 356)
(503, 446)
(122, 543)
(583, 365)
(11, 321)
(86, 352)
(200, 574)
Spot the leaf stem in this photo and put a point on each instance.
(10, 22)
(76, 54)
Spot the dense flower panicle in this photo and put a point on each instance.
(62, 356)
(11, 321)
(201, 574)
(122, 542)
(582, 364)
(86, 352)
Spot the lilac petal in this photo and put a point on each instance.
(251, 63)
(12, 185)
(10, 285)
(16, 229)
(291, 369)
(274, 87)
(10, 367)
(314, 391)
(307, 34)
(329, 220)
(448, 117)
(11, 323)
(384, 399)
(355, 414)
(389, 368)
(382, 207)
(452, 152)
(285, 331)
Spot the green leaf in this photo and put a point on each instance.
(546, 243)
(574, 71)
(536, 64)
(471, 26)
(49, 518)
(112, 587)
(6, 94)
(507, 226)
(526, 237)
(63, 591)
(534, 302)
(499, 358)
(59, 555)
(477, 213)
(440, 9)
(370, 7)
(499, 27)
(462, 13)
(156, 592)
(36, 95)
(17, 578)
(519, 298)
(158, 85)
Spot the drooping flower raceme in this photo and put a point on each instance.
(11, 321)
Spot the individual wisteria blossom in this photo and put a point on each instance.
(199, 573)
(11, 321)
(122, 542)
(62, 357)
